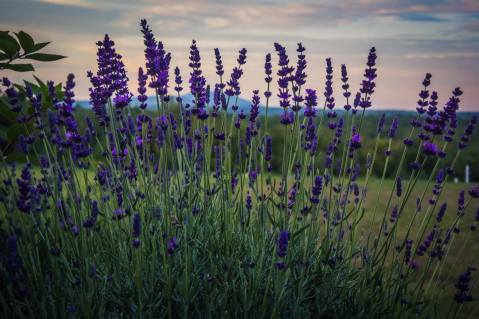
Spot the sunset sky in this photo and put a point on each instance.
(412, 37)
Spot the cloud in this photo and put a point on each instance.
(75, 3)
(471, 26)
(442, 56)
(216, 22)
(421, 17)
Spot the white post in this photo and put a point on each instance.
(466, 178)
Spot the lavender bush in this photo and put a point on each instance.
(181, 212)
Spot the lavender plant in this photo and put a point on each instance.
(181, 212)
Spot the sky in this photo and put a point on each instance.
(412, 37)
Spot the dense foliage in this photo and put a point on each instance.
(192, 211)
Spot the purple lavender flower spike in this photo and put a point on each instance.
(441, 212)
(393, 128)
(91, 220)
(311, 103)
(399, 186)
(26, 190)
(178, 82)
(12, 95)
(287, 118)
(171, 246)
(283, 73)
(394, 214)
(197, 82)
(328, 93)
(460, 203)
(142, 97)
(355, 141)
(422, 249)
(316, 189)
(424, 95)
(283, 239)
(382, 121)
(474, 191)
(269, 148)
(109, 80)
(468, 132)
(345, 86)
(233, 84)
(254, 112)
(65, 108)
(430, 149)
(249, 202)
(157, 61)
(219, 63)
(463, 286)
(268, 70)
(439, 180)
(299, 78)
(119, 214)
(368, 85)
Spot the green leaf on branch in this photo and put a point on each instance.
(23, 67)
(8, 44)
(44, 57)
(39, 46)
(26, 41)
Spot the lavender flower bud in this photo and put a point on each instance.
(399, 186)
(393, 128)
(171, 246)
(474, 191)
(283, 239)
(381, 122)
(441, 212)
(463, 286)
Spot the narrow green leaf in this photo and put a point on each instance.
(59, 91)
(44, 57)
(41, 83)
(39, 46)
(26, 41)
(17, 67)
(20, 88)
(3, 56)
(8, 44)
